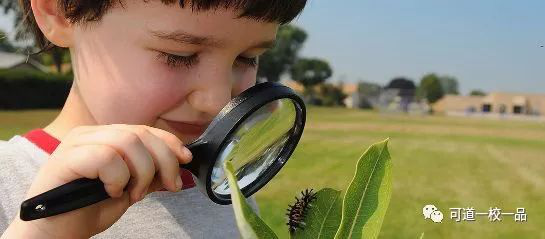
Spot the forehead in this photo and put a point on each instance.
(221, 22)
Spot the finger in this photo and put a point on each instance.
(155, 185)
(96, 161)
(132, 149)
(173, 142)
(164, 157)
(165, 160)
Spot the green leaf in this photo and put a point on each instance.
(323, 216)
(368, 195)
(249, 224)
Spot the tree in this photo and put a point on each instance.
(477, 93)
(406, 91)
(369, 88)
(13, 6)
(401, 83)
(278, 60)
(56, 55)
(5, 44)
(368, 91)
(309, 73)
(331, 95)
(9, 5)
(430, 88)
(449, 85)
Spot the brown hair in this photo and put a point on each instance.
(83, 11)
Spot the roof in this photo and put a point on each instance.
(347, 88)
(513, 98)
(294, 85)
(350, 88)
(460, 103)
(10, 60)
(457, 103)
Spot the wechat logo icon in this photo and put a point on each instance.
(431, 212)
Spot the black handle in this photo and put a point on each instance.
(71, 196)
(81, 193)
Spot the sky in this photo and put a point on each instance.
(493, 45)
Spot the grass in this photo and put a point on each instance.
(18, 122)
(448, 162)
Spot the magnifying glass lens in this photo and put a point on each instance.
(256, 144)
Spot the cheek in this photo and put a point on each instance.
(244, 79)
(124, 84)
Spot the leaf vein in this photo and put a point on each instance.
(327, 213)
(365, 191)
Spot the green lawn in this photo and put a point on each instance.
(448, 162)
(18, 122)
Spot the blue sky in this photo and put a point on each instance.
(492, 45)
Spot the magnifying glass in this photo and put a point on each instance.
(257, 131)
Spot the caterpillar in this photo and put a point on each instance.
(297, 212)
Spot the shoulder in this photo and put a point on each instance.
(11, 149)
(19, 159)
(10, 145)
(19, 148)
(17, 170)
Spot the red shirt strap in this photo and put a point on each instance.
(48, 143)
(43, 140)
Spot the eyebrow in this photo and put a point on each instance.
(186, 38)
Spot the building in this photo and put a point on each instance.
(458, 103)
(496, 103)
(19, 61)
(392, 100)
(349, 89)
(352, 97)
(294, 85)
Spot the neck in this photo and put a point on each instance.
(73, 114)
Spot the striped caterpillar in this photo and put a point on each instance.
(297, 212)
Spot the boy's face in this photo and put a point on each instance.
(145, 63)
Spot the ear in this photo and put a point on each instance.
(57, 29)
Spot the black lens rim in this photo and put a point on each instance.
(225, 124)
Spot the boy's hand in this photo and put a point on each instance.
(148, 156)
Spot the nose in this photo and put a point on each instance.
(211, 93)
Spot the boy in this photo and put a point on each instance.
(149, 76)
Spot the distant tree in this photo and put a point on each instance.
(13, 6)
(430, 88)
(309, 73)
(9, 5)
(369, 88)
(449, 85)
(367, 91)
(56, 55)
(278, 60)
(401, 83)
(331, 95)
(477, 93)
(5, 44)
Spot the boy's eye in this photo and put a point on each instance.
(246, 61)
(176, 61)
